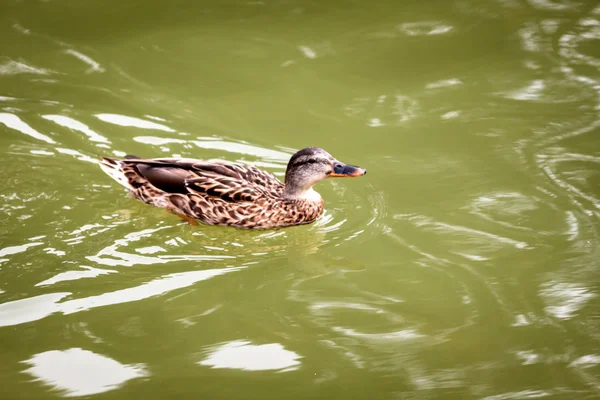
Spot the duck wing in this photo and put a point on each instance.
(233, 182)
(216, 179)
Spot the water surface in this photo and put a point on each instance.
(464, 265)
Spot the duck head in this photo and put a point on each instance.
(311, 165)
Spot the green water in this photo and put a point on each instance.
(464, 265)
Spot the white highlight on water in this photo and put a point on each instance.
(241, 354)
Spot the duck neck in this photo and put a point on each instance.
(295, 193)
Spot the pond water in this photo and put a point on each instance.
(466, 264)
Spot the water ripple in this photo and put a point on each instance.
(38, 307)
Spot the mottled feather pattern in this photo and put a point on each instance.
(216, 193)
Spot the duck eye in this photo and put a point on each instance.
(312, 161)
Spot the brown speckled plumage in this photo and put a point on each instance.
(222, 193)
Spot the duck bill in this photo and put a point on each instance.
(347, 171)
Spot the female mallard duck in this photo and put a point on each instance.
(222, 193)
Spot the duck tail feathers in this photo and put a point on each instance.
(114, 168)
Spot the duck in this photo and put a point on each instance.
(230, 194)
